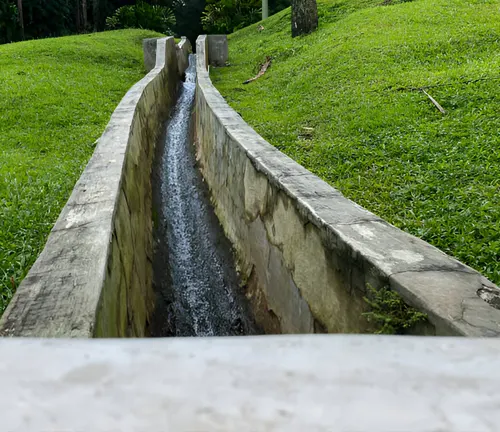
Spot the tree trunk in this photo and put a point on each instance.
(97, 14)
(84, 14)
(304, 17)
(77, 16)
(21, 17)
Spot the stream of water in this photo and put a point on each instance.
(198, 289)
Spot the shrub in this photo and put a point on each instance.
(142, 15)
(390, 313)
(227, 16)
(9, 26)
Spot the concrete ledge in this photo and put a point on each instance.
(149, 51)
(93, 277)
(271, 383)
(183, 50)
(217, 50)
(308, 252)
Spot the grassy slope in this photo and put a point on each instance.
(390, 150)
(57, 96)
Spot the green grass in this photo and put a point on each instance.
(381, 143)
(57, 96)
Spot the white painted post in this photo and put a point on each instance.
(265, 9)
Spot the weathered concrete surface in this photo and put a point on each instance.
(270, 383)
(184, 48)
(308, 252)
(149, 51)
(93, 277)
(217, 50)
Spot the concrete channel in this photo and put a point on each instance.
(198, 292)
(152, 235)
(148, 244)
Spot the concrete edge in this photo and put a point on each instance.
(448, 291)
(61, 293)
(272, 383)
(183, 50)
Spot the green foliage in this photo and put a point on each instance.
(41, 18)
(227, 16)
(52, 18)
(188, 18)
(47, 18)
(57, 97)
(375, 138)
(9, 26)
(142, 15)
(390, 313)
(276, 6)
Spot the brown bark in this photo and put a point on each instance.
(77, 16)
(21, 17)
(263, 69)
(304, 17)
(96, 14)
(84, 11)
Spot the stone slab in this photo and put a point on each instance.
(248, 384)
(218, 51)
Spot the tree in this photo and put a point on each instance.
(21, 17)
(9, 21)
(227, 16)
(304, 17)
(188, 18)
(142, 15)
(96, 14)
(78, 25)
(84, 14)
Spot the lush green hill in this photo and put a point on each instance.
(375, 135)
(57, 96)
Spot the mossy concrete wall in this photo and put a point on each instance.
(93, 277)
(307, 252)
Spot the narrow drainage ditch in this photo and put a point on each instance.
(198, 290)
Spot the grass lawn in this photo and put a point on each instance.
(374, 135)
(57, 96)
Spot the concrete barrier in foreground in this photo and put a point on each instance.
(307, 252)
(94, 276)
(270, 383)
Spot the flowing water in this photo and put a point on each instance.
(198, 290)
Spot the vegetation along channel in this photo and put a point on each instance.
(198, 289)
(357, 116)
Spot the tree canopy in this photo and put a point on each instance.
(33, 19)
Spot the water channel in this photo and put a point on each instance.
(198, 290)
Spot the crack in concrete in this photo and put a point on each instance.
(432, 268)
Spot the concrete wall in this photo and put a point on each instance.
(307, 252)
(217, 50)
(93, 277)
(183, 51)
